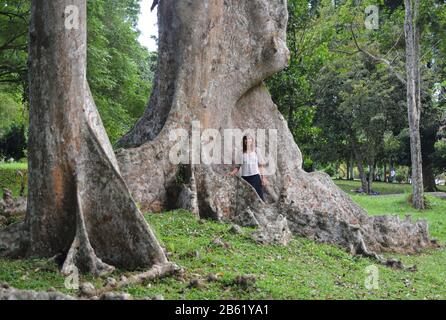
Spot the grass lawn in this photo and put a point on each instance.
(9, 178)
(302, 270)
(381, 187)
(13, 166)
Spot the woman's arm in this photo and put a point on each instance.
(262, 175)
(234, 171)
(261, 163)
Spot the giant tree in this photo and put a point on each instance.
(213, 58)
(79, 207)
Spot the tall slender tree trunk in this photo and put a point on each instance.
(352, 168)
(429, 136)
(429, 177)
(412, 33)
(79, 207)
(371, 177)
(347, 173)
(360, 164)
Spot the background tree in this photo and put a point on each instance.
(412, 33)
(337, 33)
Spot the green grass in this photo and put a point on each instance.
(302, 270)
(9, 177)
(381, 187)
(398, 205)
(13, 166)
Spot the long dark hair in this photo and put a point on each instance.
(245, 143)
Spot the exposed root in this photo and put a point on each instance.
(105, 293)
(321, 212)
(156, 272)
(13, 241)
(81, 254)
(12, 207)
(7, 293)
(361, 249)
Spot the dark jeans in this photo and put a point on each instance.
(256, 182)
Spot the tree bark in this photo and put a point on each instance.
(360, 164)
(412, 33)
(371, 177)
(429, 177)
(213, 58)
(352, 168)
(347, 173)
(79, 206)
(429, 137)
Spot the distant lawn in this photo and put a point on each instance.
(9, 178)
(13, 166)
(398, 205)
(381, 187)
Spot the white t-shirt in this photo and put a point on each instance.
(251, 161)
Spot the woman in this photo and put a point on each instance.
(252, 168)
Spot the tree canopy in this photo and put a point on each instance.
(120, 69)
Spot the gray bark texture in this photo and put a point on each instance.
(79, 206)
(213, 58)
(412, 33)
(10, 207)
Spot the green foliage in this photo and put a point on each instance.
(330, 170)
(13, 144)
(333, 92)
(120, 70)
(308, 165)
(12, 112)
(440, 156)
(14, 17)
(291, 89)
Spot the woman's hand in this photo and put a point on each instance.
(233, 172)
(264, 181)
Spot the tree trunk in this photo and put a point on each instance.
(213, 58)
(412, 33)
(352, 168)
(429, 137)
(79, 206)
(359, 163)
(371, 177)
(347, 173)
(429, 177)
